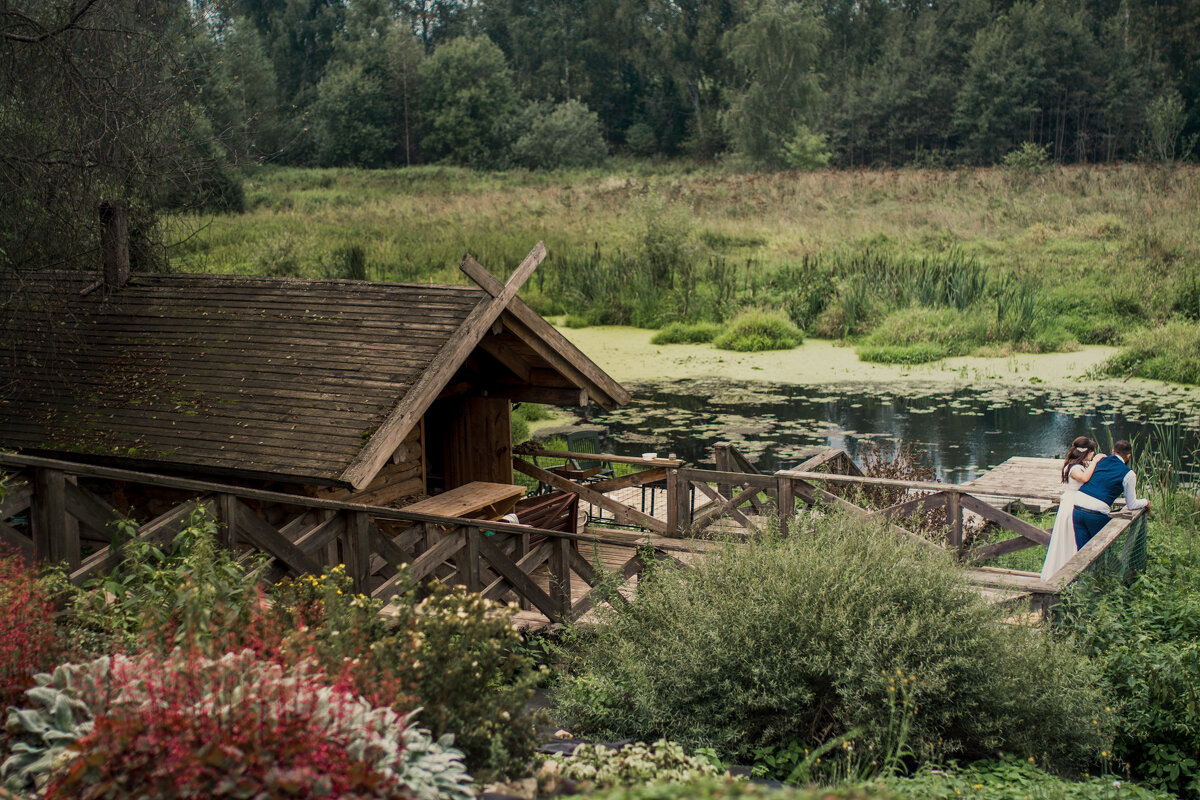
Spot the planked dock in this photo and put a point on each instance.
(1035, 483)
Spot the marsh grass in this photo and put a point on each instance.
(1084, 252)
(1170, 352)
(687, 333)
(757, 330)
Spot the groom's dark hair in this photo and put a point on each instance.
(1122, 448)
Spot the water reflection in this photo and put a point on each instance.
(963, 431)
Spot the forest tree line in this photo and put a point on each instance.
(778, 82)
(156, 102)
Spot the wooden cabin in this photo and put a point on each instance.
(378, 392)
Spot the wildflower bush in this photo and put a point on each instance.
(453, 654)
(474, 681)
(801, 640)
(594, 766)
(188, 726)
(29, 641)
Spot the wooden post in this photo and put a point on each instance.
(785, 504)
(522, 551)
(469, 569)
(358, 549)
(560, 577)
(114, 244)
(724, 462)
(678, 507)
(49, 514)
(70, 545)
(227, 515)
(955, 519)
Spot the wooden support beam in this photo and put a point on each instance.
(988, 552)
(632, 479)
(441, 369)
(679, 503)
(600, 591)
(227, 517)
(259, 533)
(322, 534)
(18, 499)
(357, 544)
(49, 514)
(607, 458)
(723, 505)
(619, 510)
(393, 553)
(546, 395)
(440, 550)
(161, 529)
(908, 508)
(812, 494)
(785, 502)
(469, 558)
(517, 576)
(560, 577)
(19, 542)
(1005, 520)
(532, 328)
(90, 509)
(954, 518)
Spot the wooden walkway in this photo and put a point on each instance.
(1036, 481)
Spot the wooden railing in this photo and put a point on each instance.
(47, 515)
(741, 493)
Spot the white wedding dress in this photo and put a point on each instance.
(1062, 536)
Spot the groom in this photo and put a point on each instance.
(1111, 478)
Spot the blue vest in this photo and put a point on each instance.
(1106, 483)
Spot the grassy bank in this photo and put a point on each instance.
(1005, 263)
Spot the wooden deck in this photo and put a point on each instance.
(1035, 483)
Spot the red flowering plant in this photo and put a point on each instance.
(29, 641)
(186, 725)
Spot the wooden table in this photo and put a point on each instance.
(475, 500)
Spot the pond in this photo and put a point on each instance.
(963, 430)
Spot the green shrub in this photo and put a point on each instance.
(1147, 638)
(191, 591)
(1028, 158)
(902, 354)
(553, 136)
(1013, 779)
(731, 789)
(955, 332)
(474, 683)
(771, 642)
(600, 767)
(1167, 353)
(751, 331)
(687, 333)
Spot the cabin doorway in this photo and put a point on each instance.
(468, 439)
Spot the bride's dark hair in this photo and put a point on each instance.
(1078, 452)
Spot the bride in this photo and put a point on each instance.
(1077, 470)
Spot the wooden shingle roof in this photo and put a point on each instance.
(267, 377)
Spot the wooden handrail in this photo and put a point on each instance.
(607, 458)
(955, 488)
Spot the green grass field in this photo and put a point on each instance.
(1006, 262)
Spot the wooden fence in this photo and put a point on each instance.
(48, 515)
(739, 493)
